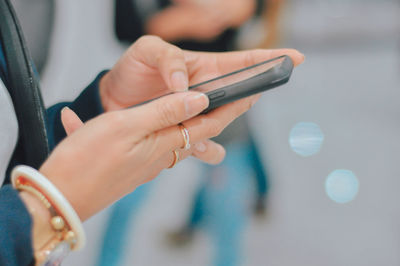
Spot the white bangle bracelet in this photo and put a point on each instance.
(59, 202)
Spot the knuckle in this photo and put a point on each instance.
(167, 113)
(147, 38)
(173, 51)
(116, 119)
(251, 57)
(167, 52)
(144, 42)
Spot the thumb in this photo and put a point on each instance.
(167, 58)
(70, 120)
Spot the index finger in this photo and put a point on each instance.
(231, 61)
(167, 111)
(204, 126)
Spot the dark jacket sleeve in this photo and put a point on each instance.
(15, 229)
(86, 106)
(15, 221)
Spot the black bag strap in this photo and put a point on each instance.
(23, 87)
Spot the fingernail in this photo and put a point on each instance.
(179, 81)
(195, 103)
(221, 149)
(200, 147)
(65, 108)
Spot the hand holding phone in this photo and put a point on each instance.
(246, 81)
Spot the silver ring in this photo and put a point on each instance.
(186, 136)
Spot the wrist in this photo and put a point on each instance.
(56, 226)
(42, 231)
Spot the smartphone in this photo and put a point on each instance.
(245, 82)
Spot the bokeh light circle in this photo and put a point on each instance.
(306, 138)
(342, 186)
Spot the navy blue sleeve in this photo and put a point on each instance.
(15, 229)
(15, 221)
(86, 106)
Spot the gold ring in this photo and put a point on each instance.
(176, 159)
(186, 137)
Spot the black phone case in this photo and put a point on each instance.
(267, 80)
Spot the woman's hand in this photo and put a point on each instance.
(201, 20)
(187, 22)
(114, 153)
(233, 13)
(152, 67)
(111, 155)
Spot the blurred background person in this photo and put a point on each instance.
(197, 25)
(202, 26)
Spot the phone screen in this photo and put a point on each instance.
(272, 65)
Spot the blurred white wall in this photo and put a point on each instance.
(83, 44)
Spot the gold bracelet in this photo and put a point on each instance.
(35, 192)
(65, 222)
(57, 222)
(62, 233)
